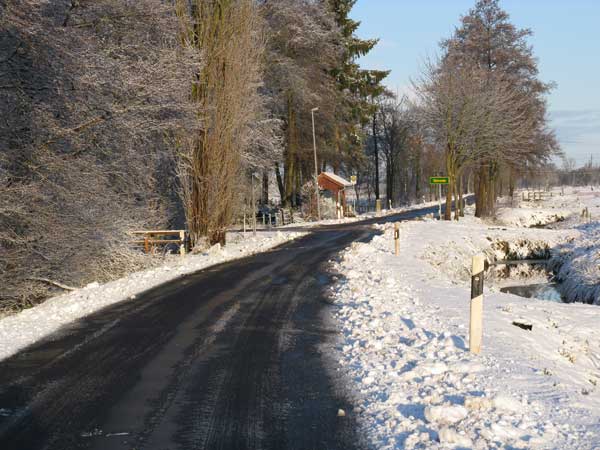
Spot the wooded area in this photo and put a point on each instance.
(153, 114)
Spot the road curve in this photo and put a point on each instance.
(227, 358)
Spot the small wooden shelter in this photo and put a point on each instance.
(337, 186)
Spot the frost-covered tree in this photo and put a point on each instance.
(89, 91)
(302, 51)
(488, 41)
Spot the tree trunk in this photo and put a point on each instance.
(511, 183)
(456, 201)
(376, 156)
(450, 188)
(492, 189)
(448, 212)
(481, 193)
(290, 155)
(389, 180)
(265, 188)
(461, 205)
(418, 177)
(280, 184)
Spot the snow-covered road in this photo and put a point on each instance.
(29, 326)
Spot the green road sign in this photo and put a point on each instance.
(439, 180)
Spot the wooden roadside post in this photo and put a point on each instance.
(244, 220)
(397, 238)
(476, 318)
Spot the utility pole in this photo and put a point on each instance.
(253, 207)
(312, 112)
(377, 199)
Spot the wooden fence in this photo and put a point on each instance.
(153, 238)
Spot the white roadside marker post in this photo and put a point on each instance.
(476, 318)
(182, 248)
(397, 239)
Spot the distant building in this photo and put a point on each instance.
(336, 187)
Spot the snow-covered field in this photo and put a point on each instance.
(404, 344)
(28, 326)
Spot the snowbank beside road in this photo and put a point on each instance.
(449, 247)
(404, 350)
(30, 325)
(577, 265)
(530, 218)
(363, 216)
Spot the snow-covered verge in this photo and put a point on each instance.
(576, 264)
(28, 326)
(403, 350)
(449, 247)
(530, 217)
(359, 217)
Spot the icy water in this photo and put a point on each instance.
(545, 291)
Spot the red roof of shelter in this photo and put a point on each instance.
(336, 179)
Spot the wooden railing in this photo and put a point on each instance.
(150, 239)
(535, 196)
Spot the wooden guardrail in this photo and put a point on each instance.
(151, 239)
(535, 196)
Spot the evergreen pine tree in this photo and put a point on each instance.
(359, 87)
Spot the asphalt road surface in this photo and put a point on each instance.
(228, 358)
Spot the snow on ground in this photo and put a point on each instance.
(557, 205)
(30, 325)
(298, 221)
(404, 322)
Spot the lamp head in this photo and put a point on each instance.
(314, 109)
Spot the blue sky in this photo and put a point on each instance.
(566, 41)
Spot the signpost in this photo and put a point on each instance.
(439, 181)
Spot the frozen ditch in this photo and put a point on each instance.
(541, 291)
(525, 261)
(530, 269)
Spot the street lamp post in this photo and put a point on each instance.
(312, 112)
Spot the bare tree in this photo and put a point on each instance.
(488, 41)
(229, 33)
(474, 120)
